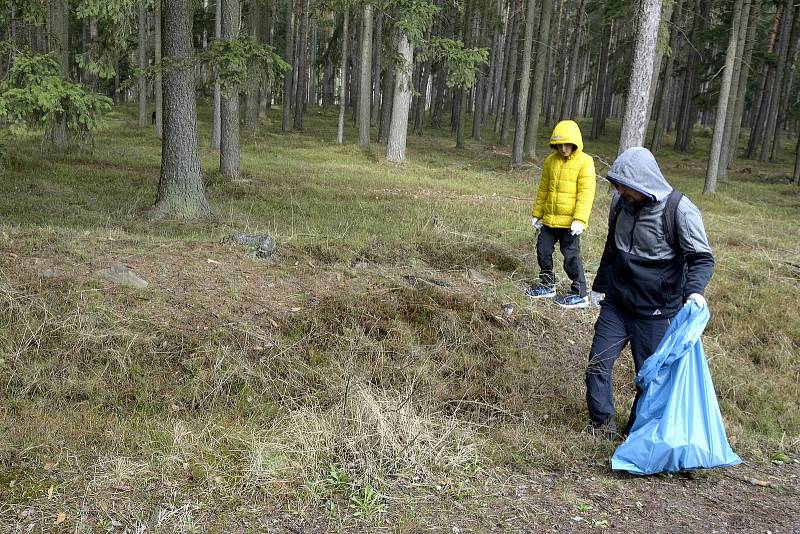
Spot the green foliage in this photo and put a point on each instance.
(461, 62)
(415, 17)
(34, 92)
(116, 21)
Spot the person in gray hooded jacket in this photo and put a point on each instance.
(645, 278)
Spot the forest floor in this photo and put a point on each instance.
(383, 371)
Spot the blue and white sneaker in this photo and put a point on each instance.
(572, 301)
(541, 292)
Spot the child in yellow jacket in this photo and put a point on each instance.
(561, 214)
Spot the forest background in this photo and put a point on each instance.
(374, 363)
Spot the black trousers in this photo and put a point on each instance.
(570, 249)
(612, 331)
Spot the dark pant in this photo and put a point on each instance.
(570, 249)
(612, 331)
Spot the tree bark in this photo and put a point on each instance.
(377, 45)
(786, 86)
(687, 108)
(251, 88)
(783, 48)
(634, 123)
(386, 107)
(142, 55)
(712, 170)
(511, 79)
(601, 90)
(744, 77)
(58, 44)
(365, 86)
(312, 67)
(229, 112)
(665, 87)
(159, 122)
(518, 154)
(538, 78)
(396, 143)
(343, 76)
(568, 102)
(301, 71)
(180, 187)
(288, 85)
(217, 110)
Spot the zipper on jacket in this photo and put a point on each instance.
(633, 230)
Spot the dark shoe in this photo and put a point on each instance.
(541, 292)
(572, 301)
(602, 431)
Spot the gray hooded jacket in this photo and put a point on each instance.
(639, 270)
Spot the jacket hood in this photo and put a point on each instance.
(567, 132)
(636, 168)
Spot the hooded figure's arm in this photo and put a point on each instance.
(694, 244)
(585, 197)
(601, 279)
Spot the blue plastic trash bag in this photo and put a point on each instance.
(678, 425)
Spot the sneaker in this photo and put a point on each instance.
(605, 430)
(541, 292)
(572, 301)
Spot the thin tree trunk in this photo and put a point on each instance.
(712, 169)
(229, 111)
(300, 61)
(518, 154)
(788, 82)
(499, 94)
(513, 60)
(343, 76)
(665, 87)
(365, 87)
(568, 102)
(251, 88)
(396, 143)
(687, 108)
(217, 111)
(159, 123)
(142, 55)
(663, 33)
(744, 77)
(386, 107)
(783, 48)
(547, 102)
(288, 77)
(601, 91)
(180, 188)
(312, 68)
(462, 105)
(58, 44)
(538, 79)
(376, 68)
(634, 122)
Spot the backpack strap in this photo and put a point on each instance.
(670, 214)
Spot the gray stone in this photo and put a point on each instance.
(121, 275)
(261, 246)
(476, 276)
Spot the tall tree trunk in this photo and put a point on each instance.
(744, 77)
(312, 68)
(328, 81)
(568, 102)
(538, 79)
(663, 35)
(58, 44)
(788, 82)
(687, 108)
(229, 112)
(665, 86)
(783, 48)
(300, 61)
(601, 91)
(634, 123)
(251, 87)
(466, 28)
(386, 107)
(376, 68)
(547, 101)
(396, 143)
(180, 187)
(159, 122)
(288, 77)
(365, 86)
(343, 76)
(518, 154)
(142, 54)
(712, 169)
(511, 79)
(216, 114)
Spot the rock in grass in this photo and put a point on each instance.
(476, 276)
(121, 275)
(261, 246)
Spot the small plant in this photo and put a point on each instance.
(367, 503)
(583, 508)
(337, 480)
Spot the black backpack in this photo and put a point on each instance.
(669, 214)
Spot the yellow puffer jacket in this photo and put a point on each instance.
(566, 189)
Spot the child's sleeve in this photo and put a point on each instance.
(541, 196)
(586, 185)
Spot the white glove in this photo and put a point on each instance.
(576, 228)
(698, 299)
(536, 223)
(595, 298)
